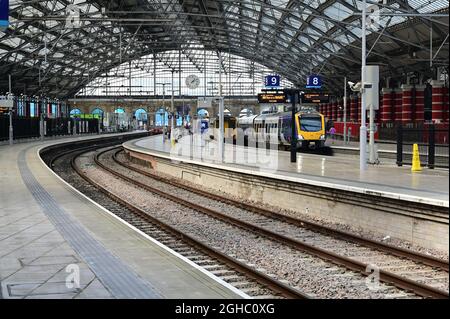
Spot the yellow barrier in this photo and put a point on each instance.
(416, 159)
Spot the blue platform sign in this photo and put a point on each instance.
(4, 14)
(314, 82)
(272, 81)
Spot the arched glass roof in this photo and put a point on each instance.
(153, 75)
(55, 48)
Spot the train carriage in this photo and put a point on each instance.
(229, 126)
(277, 128)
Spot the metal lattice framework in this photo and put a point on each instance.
(48, 54)
(153, 75)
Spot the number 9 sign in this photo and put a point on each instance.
(272, 81)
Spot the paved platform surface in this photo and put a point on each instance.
(50, 232)
(339, 171)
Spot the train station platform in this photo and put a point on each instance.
(337, 172)
(50, 232)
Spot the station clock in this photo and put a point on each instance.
(192, 81)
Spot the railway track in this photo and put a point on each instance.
(416, 261)
(242, 276)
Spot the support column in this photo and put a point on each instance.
(397, 105)
(406, 104)
(386, 106)
(358, 108)
(420, 104)
(445, 105)
(353, 109)
(340, 110)
(179, 74)
(154, 74)
(334, 110)
(438, 102)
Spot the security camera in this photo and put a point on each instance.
(355, 87)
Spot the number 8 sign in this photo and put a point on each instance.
(314, 82)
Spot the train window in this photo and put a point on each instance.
(311, 124)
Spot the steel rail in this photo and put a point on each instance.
(263, 279)
(363, 268)
(396, 251)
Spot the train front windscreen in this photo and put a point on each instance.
(311, 123)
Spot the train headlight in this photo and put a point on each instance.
(322, 137)
(300, 137)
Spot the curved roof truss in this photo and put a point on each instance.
(52, 49)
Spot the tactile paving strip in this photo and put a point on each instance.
(120, 279)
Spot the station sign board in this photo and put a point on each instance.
(272, 81)
(315, 98)
(86, 116)
(4, 14)
(272, 97)
(314, 82)
(204, 103)
(6, 102)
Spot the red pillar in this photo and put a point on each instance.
(386, 105)
(445, 104)
(406, 104)
(340, 108)
(438, 102)
(358, 108)
(378, 112)
(397, 105)
(419, 115)
(333, 111)
(353, 106)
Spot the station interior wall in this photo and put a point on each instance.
(152, 106)
(404, 106)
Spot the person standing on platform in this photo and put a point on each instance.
(332, 134)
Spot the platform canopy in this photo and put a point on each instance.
(56, 47)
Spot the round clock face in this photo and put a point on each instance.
(192, 81)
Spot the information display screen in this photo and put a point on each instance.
(272, 98)
(315, 98)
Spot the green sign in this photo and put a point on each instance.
(86, 116)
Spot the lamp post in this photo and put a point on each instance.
(294, 94)
(345, 110)
(11, 129)
(363, 128)
(163, 106)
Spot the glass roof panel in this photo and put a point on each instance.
(241, 27)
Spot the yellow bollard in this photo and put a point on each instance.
(416, 159)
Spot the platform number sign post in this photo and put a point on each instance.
(4, 14)
(314, 82)
(272, 81)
